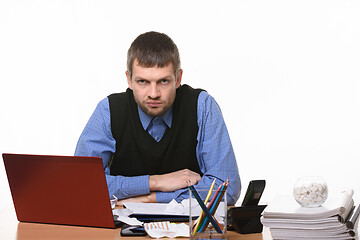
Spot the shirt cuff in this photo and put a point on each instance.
(165, 197)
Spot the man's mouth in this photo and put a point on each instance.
(153, 104)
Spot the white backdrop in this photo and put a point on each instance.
(285, 73)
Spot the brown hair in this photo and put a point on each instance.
(153, 49)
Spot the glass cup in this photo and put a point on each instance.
(311, 191)
(200, 225)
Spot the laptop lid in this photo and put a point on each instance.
(68, 190)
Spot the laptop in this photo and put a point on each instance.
(67, 190)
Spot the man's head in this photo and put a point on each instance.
(153, 49)
(153, 72)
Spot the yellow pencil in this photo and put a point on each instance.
(205, 202)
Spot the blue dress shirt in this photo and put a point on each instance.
(214, 150)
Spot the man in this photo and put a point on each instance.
(159, 135)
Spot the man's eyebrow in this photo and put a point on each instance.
(139, 78)
(168, 77)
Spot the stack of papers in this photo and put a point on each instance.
(287, 220)
(172, 211)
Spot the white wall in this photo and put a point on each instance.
(285, 73)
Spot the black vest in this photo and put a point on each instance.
(137, 153)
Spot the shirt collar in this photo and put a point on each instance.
(146, 119)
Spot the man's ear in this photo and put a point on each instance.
(178, 79)
(129, 79)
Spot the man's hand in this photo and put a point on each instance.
(173, 181)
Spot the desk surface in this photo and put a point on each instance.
(11, 229)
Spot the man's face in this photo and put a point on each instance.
(154, 88)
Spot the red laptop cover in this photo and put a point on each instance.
(66, 190)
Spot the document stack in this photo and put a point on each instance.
(337, 218)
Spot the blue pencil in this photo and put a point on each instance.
(205, 209)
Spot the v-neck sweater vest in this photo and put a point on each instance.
(137, 153)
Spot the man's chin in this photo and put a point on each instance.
(154, 112)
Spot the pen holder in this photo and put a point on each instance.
(245, 220)
(201, 226)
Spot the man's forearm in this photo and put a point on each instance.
(173, 181)
(150, 198)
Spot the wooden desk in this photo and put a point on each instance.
(11, 229)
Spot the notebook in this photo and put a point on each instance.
(66, 190)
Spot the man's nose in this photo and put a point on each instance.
(154, 91)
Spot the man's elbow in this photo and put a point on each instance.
(234, 194)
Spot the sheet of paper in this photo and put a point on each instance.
(123, 216)
(147, 208)
(286, 207)
(166, 229)
(172, 208)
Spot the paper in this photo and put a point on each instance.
(147, 208)
(172, 208)
(123, 216)
(287, 220)
(287, 207)
(113, 202)
(166, 229)
(153, 229)
(331, 222)
(175, 208)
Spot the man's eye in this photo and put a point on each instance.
(164, 81)
(141, 81)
